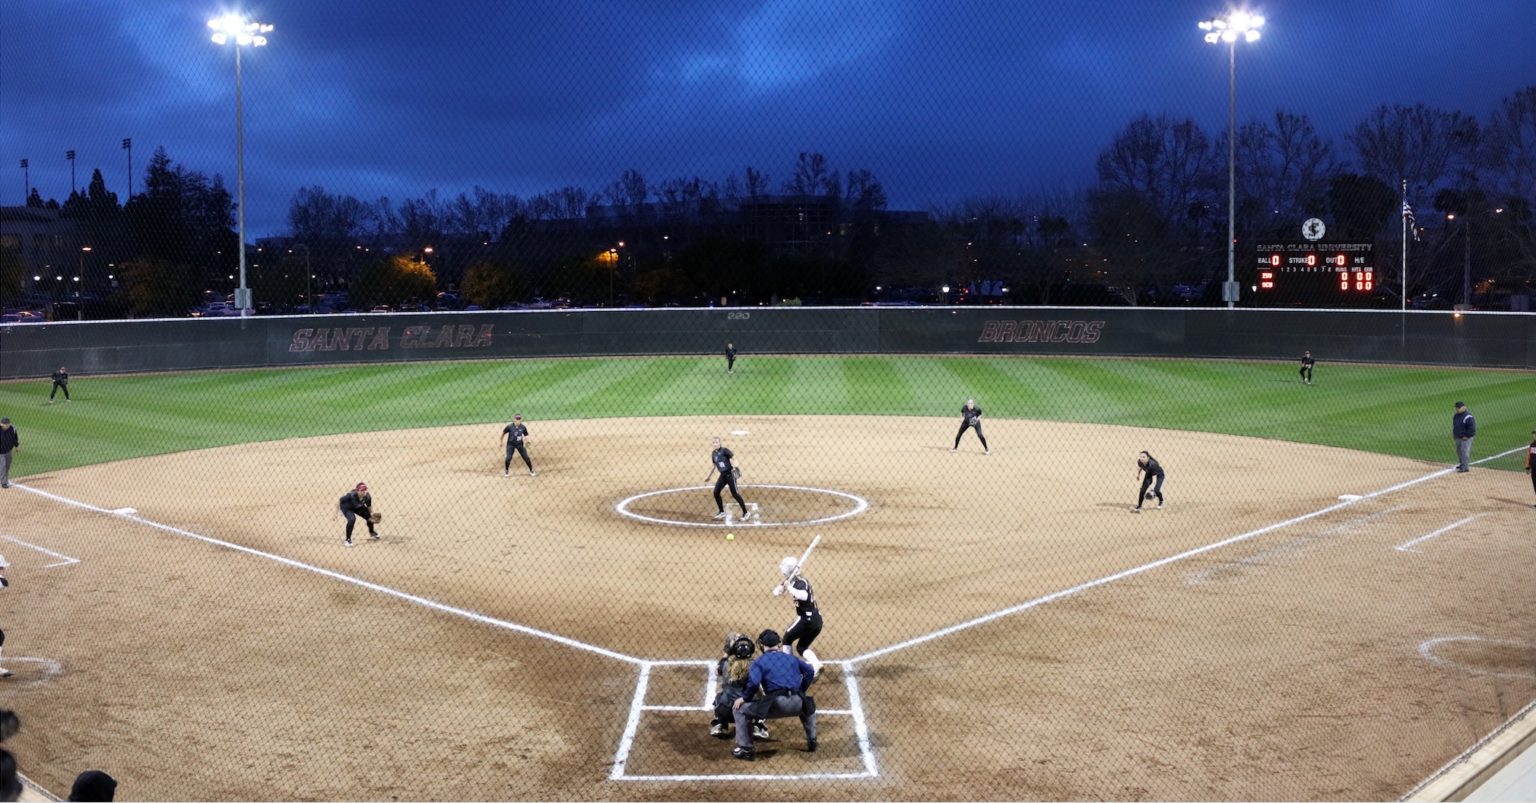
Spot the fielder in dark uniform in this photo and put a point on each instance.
(1306, 366)
(720, 460)
(358, 502)
(732, 669)
(515, 434)
(60, 382)
(4, 583)
(1154, 472)
(783, 679)
(1530, 459)
(970, 416)
(807, 624)
(730, 358)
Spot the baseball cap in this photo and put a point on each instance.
(517, 416)
(1461, 404)
(768, 639)
(5, 420)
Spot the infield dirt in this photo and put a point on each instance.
(1287, 665)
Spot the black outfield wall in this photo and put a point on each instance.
(1504, 340)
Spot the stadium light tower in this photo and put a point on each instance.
(242, 32)
(1228, 30)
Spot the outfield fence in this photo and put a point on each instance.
(1484, 339)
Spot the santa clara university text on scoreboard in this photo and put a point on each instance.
(1317, 272)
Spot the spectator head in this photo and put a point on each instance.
(94, 785)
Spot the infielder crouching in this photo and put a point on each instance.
(970, 416)
(354, 503)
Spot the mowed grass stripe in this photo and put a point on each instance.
(1391, 409)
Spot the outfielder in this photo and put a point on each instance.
(358, 502)
(730, 358)
(720, 460)
(970, 416)
(1306, 367)
(60, 382)
(515, 434)
(1154, 471)
(807, 624)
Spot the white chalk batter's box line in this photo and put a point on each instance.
(64, 560)
(848, 665)
(638, 708)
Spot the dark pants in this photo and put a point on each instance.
(1533, 481)
(520, 449)
(1306, 373)
(352, 519)
(776, 705)
(1157, 489)
(58, 386)
(803, 632)
(967, 425)
(730, 363)
(728, 478)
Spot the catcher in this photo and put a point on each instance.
(720, 460)
(732, 671)
(358, 502)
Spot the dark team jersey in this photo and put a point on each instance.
(61, 377)
(805, 608)
(971, 415)
(515, 433)
(730, 353)
(351, 501)
(1153, 468)
(1307, 362)
(1530, 455)
(722, 459)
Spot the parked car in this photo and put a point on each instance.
(216, 309)
(381, 308)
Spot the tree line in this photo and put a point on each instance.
(1153, 221)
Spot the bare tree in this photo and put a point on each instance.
(1418, 144)
(1510, 140)
(1283, 172)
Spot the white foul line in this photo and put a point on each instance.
(65, 559)
(1146, 567)
(422, 601)
(1408, 546)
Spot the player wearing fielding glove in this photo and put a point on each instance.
(515, 434)
(807, 625)
(1306, 366)
(1154, 471)
(970, 416)
(358, 502)
(720, 460)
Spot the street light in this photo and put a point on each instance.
(1236, 25)
(236, 28)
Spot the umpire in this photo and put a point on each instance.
(354, 503)
(784, 679)
(9, 442)
(1463, 429)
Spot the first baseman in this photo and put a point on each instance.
(354, 503)
(1154, 471)
(515, 434)
(970, 416)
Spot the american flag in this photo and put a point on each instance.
(1412, 224)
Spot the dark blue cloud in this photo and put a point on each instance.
(942, 100)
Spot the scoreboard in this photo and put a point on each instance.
(1314, 274)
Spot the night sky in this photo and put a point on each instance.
(941, 100)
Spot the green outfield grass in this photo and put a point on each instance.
(1391, 409)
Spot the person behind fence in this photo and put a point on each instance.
(93, 786)
(732, 669)
(783, 680)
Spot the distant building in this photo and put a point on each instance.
(49, 245)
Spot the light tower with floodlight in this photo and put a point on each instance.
(236, 28)
(1229, 29)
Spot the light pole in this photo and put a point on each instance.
(1236, 25)
(234, 27)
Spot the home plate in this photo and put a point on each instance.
(1350, 497)
(739, 432)
(125, 511)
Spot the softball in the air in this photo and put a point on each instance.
(730, 536)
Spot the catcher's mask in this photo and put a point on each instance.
(743, 647)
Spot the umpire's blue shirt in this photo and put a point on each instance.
(778, 671)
